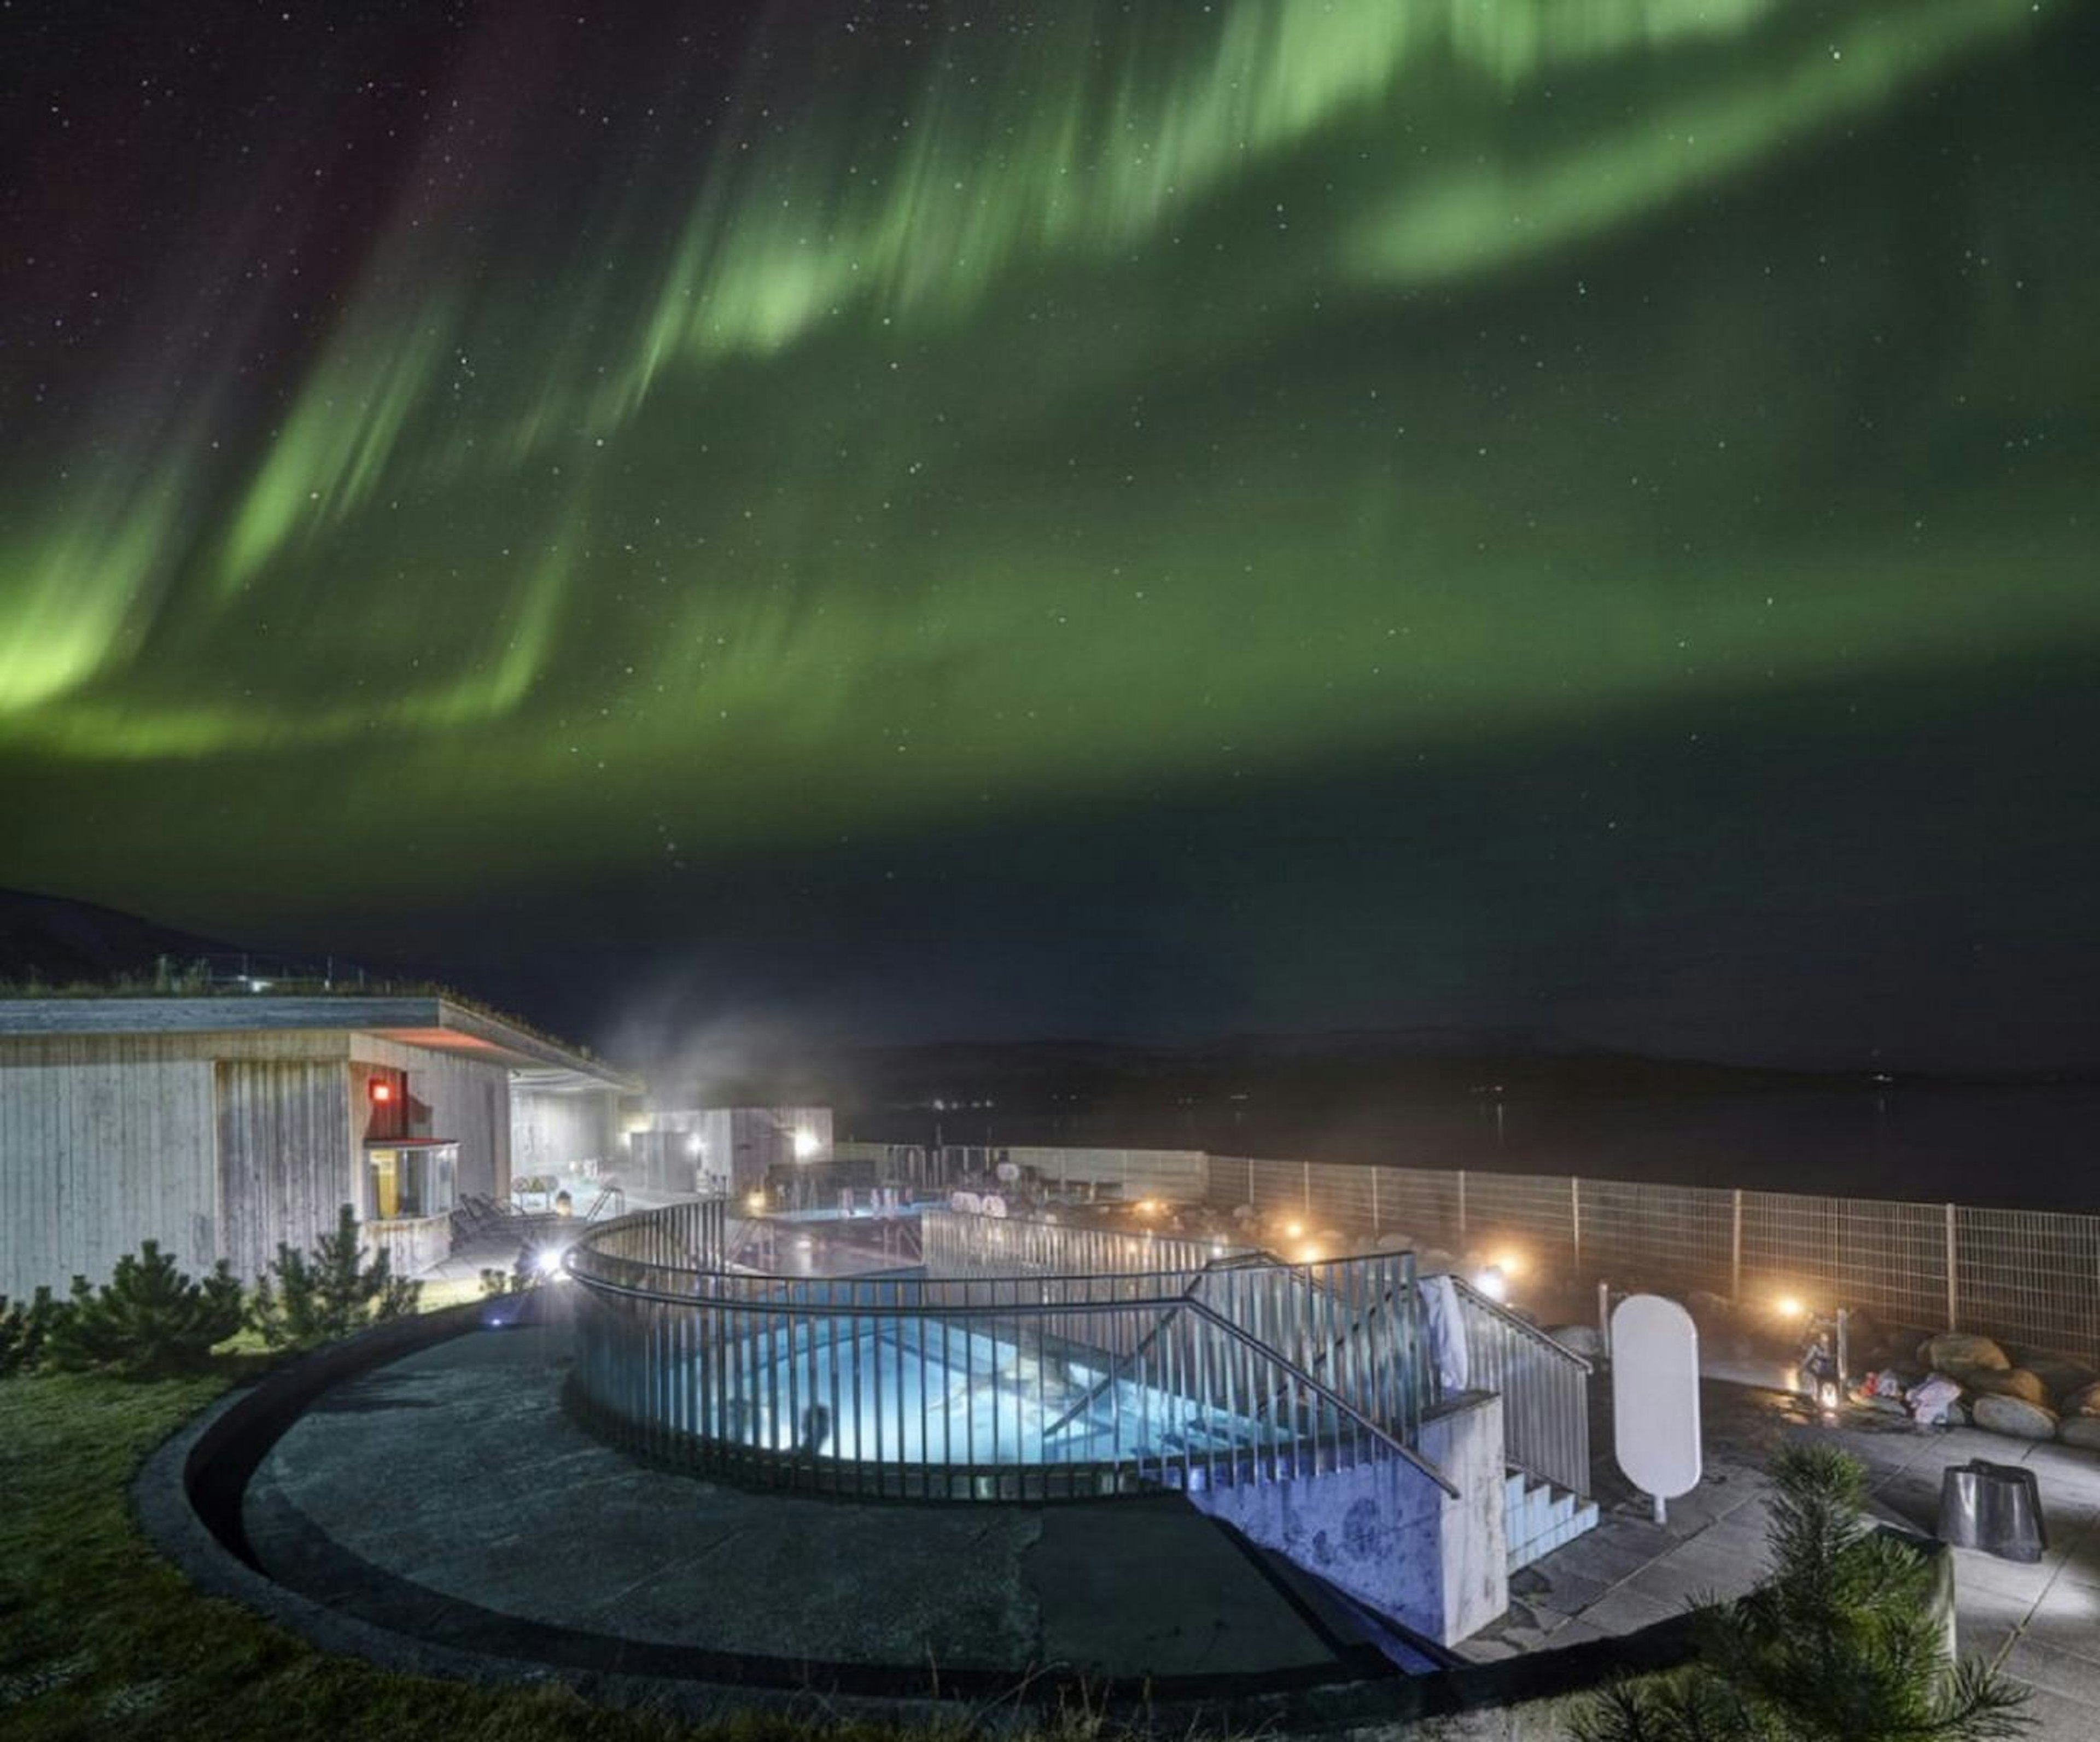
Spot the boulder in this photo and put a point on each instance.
(2079, 1430)
(2059, 1372)
(2014, 1416)
(1584, 1340)
(1435, 1262)
(2019, 1382)
(2085, 1401)
(1393, 1240)
(1957, 1353)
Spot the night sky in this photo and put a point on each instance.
(1134, 520)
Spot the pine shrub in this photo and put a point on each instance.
(24, 1328)
(148, 1320)
(1840, 1644)
(310, 1298)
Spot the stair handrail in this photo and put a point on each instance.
(1517, 1323)
(1236, 1260)
(1340, 1404)
(1546, 1404)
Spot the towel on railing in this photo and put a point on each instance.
(1443, 1329)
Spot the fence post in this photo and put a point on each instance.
(1375, 1206)
(1736, 1245)
(1305, 1192)
(1575, 1216)
(1953, 1284)
(1462, 1206)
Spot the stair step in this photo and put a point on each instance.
(1540, 1517)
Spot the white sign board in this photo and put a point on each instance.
(1655, 1395)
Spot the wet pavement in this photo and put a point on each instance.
(2040, 1623)
(447, 1494)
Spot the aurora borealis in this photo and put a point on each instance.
(1129, 518)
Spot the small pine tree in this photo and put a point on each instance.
(24, 1328)
(319, 1296)
(149, 1318)
(1840, 1644)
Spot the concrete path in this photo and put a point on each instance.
(2040, 1622)
(448, 1493)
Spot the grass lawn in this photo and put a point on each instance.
(100, 1639)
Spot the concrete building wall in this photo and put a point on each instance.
(284, 1170)
(223, 1127)
(552, 1130)
(103, 1144)
(746, 1143)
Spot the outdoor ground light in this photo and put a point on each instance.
(1787, 1306)
(805, 1146)
(1492, 1283)
(1293, 1230)
(756, 1203)
(1826, 1394)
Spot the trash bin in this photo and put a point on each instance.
(1994, 1507)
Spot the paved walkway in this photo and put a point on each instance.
(449, 1490)
(448, 1495)
(2040, 1622)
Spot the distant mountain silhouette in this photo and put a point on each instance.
(57, 941)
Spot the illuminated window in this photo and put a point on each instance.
(406, 1181)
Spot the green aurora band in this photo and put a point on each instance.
(1154, 395)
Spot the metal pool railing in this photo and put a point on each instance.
(957, 1243)
(691, 1235)
(998, 1387)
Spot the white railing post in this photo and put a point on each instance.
(1953, 1279)
(1575, 1218)
(1462, 1206)
(1736, 1245)
(1374, 1203)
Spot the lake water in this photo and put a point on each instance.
(2036, 1148)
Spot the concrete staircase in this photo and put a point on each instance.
(1539, 1518)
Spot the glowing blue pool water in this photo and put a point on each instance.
(923, 1391)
